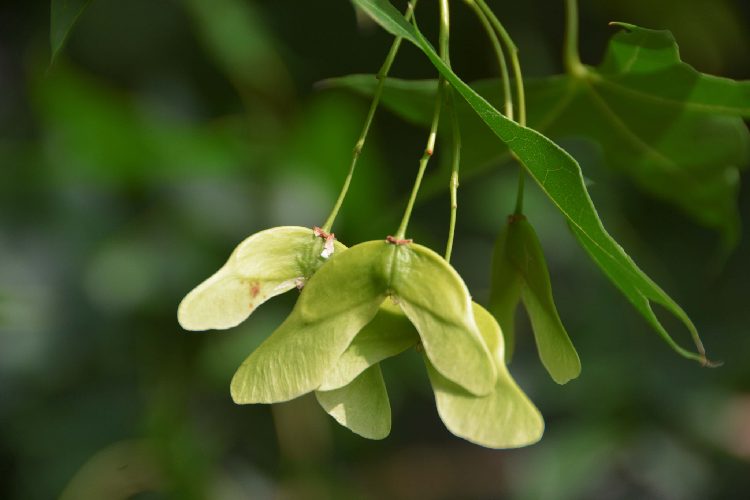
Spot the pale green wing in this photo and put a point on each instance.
(337, 302)
(505, 418)
(505, 293)
(388, 334)
(437, 302)
(555, 348)
(361, 406)
(264, 265)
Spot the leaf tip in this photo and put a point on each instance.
(627, 27)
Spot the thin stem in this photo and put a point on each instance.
(571, 57)
(498, 53)
(444, 38)
(423, 162)
(445, 14)
(513, 51)
(381, 76)
(454, 174)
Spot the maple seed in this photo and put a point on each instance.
(391, 239)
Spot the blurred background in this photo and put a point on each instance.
(168, 131)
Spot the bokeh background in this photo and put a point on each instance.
(168, 131)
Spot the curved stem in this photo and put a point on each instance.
(498, 53)
(513, 51)
(444, 38)
(571, 57)
(381, 76)
(423, 162)
(454, 174)
(456, 136)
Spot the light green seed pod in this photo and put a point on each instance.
(519, 272)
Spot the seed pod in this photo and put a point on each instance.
(505, 418)
(343, 296)
(519, 270)
(362, 405)
(264, 265)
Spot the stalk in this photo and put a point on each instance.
(451, 101)
(381, 76)
(443, 44)
(501, 61)
(513, 52)
(571, 56)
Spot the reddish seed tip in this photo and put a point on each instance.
(429, 152)
(359, 151)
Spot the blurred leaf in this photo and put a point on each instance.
(503, 419)
(63, 15)
(518, 253)
(646, 64)
(264, 265)
(388, 334)
(237, 37)
(676, 132)
(119, 471)
(712, 34)
(559, 175)
(362, 405)
(99, 133)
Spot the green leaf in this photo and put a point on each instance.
(362, 405)
(388, 334)
(337, 302)
(266, 264)
(105, 135)
(238, 38)
(518, 251)
(559, 175)
(646, 64)
(63, 15)
(387, 16)
(506, 418)
(676, 132)
(344, 296)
